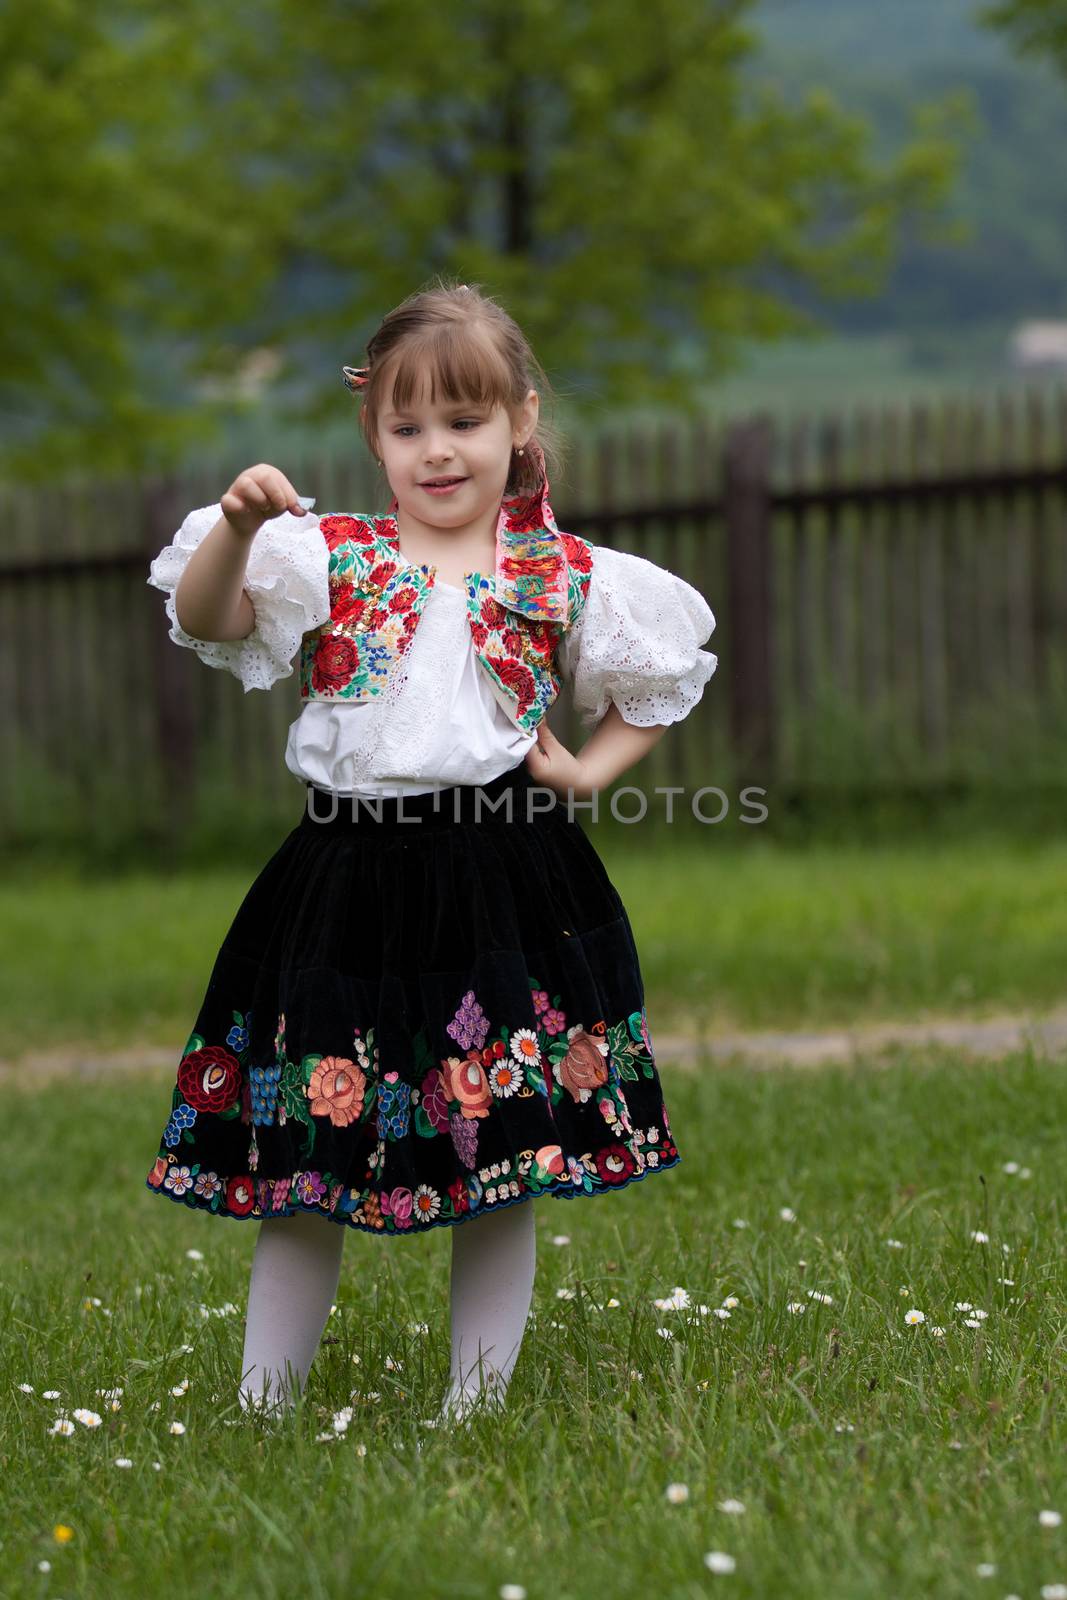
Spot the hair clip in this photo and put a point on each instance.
(355, 377)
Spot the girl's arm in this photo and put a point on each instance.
(254, 617)
(634, 666)
(210, 601)
(613, 747)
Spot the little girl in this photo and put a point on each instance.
(428, 1008)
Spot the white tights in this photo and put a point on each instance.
(296, 1268)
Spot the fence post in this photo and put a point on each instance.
(747, 513)
(168, 684)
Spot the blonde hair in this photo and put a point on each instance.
(471, 349)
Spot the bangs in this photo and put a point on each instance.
(460, 363)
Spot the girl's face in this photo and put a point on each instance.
(452, 440)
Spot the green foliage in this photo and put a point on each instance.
(200, 182)
(1036, 28)
(135, 224)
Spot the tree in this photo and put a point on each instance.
(134, 229)
(1035, 27)
(604, 169)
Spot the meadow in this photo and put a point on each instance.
(823, 1356)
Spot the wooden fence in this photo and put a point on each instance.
(890, 594)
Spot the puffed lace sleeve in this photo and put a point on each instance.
(636, 642)
(287, 579)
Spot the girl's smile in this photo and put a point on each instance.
(435, 486)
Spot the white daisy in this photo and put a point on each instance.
(796, 1307)
(733, 1508)
(89, 1419)
(677, 1493)
(895, 1244)
(27, 1388)
(177, 1427)
(719, 1561)
(677, 1300)
(1049, 1519)
(525, 1048)
(49, 1394)
(787, 1214)
(63, 1426)
(979, 1237)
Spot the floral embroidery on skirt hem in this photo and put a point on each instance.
(562, 1189)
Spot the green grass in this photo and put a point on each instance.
(760, 936)
(836, 1428)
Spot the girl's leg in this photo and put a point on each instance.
(295, 1271)
(493, 1261)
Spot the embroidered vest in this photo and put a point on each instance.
(517, 615)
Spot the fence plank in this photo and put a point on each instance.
(751, 680)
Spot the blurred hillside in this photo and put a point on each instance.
(945, 317)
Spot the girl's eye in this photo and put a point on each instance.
(473, 421)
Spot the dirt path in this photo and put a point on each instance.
(992, 1036)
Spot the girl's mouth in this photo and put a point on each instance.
(443, 485)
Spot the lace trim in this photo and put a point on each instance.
(635, 644)
(287, 579)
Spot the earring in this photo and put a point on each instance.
(520, 451)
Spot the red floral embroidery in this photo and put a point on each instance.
(380, 575)
(542, 636)
(479, 633)
(514, 675)
(492, 612)
(334, 663)
(338, 530)
(240, 1196)
(525, 514)
(209, 1078)
(513, 641)
(577, 552)
(350, 606)
(402, 599)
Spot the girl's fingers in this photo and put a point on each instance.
(283, 496)
(264, 491)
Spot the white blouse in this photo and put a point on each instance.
(437, 721)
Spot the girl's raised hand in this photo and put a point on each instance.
(255, 496)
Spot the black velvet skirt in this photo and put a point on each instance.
(425, 1008)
